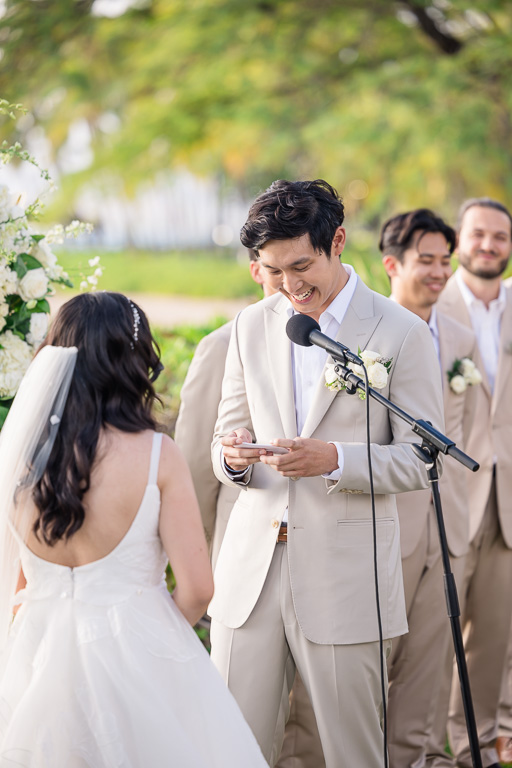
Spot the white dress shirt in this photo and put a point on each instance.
(486, 325)
(308, 364)
(434, 331)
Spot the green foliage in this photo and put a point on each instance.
(411, 99)
(177, 348)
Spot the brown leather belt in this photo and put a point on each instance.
(283, 533)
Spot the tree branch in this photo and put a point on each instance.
(447, 43)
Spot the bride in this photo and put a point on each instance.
(100, 667)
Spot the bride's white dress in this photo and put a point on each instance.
(103, 671)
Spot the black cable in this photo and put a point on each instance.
(376, 573)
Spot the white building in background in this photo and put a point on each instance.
(177, 210)
(174, 210)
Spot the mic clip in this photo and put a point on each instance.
(350, 389)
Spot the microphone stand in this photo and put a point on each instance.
(433, 442)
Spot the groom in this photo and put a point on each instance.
(294, 578)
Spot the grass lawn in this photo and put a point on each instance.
(189, 273)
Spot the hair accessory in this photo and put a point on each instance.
(136, 323)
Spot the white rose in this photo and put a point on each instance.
(369, 358)
(2, 323)
(470, 371)
(34, 285)
(458, 384)
(332, 380)
(475, 378)
(44, 254)
(378, 375)
(4, 309)
(38, 328)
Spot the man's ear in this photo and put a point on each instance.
(390, 264)
(256, 275)
(338, 242)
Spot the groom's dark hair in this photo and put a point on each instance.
(290, 209)
(397, 232)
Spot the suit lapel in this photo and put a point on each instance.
(355, 331)
(280, 364)
(453, 304)
(504, 356)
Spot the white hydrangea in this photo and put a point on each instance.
(5, 203)
(38, 328)
(33, 285)
(15, 357)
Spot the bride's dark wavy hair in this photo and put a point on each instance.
(116, 362)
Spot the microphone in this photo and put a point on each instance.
(304, 330)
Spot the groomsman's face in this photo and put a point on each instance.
(419, 278)
(308, 278)
(484, 242)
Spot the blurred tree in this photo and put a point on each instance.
(397, 103)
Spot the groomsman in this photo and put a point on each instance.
(416, 248)
(294, 578)
(200, 397)
(478, 298)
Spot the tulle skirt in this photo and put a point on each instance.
(122, 686)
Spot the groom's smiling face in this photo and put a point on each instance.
(308, 278)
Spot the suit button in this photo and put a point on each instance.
(275, 523)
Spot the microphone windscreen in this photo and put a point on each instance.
(299, 327)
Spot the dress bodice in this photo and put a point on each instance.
(136, 564)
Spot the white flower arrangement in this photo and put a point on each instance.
(377, 368)
(463, 374)
(28, 270)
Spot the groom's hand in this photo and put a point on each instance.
(237, 458)
(307, 457)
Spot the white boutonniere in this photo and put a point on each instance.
(463, 374)
(376, 366)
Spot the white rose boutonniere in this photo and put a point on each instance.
(376, 366)
(463, 374)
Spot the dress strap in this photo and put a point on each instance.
(155, 458)
(15, 532)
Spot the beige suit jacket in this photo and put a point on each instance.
(491, 434)
(200, 397)
(456, 341)
(330, 545)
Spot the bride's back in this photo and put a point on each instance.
(118, 482)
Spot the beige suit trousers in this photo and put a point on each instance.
(258, 662)
(505, 710)
(487, 617)
(415, 665)
(302, 747)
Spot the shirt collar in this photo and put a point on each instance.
(339, 305)
(471, 300)
(432, 323)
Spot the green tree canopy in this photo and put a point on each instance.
(397, 103)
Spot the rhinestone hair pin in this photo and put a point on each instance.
(136, 323)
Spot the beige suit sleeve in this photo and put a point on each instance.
(415, 387)
(234, 411)
(200, 397)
